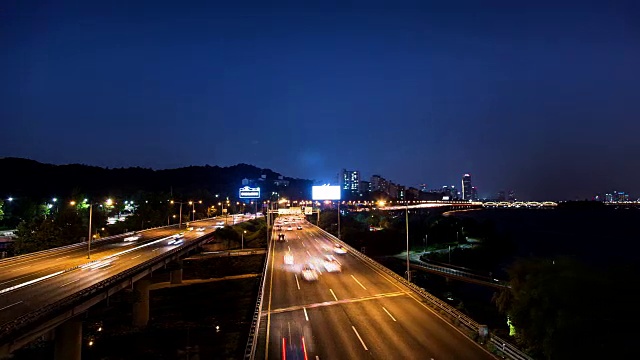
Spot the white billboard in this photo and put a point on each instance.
(325, 192)
(249, 193)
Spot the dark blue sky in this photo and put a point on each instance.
(542, 98)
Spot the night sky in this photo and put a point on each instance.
(542, 98)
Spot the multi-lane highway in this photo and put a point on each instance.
(356, 313)
(32, 281)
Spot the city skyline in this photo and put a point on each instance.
(539, 97)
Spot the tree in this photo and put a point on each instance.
(1, 210)
(555, 304)
(41, 233)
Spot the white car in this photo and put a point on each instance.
(288, 259)
(132, 238)
(309, 273)
(339, 249)
(289, 228)
(200, 229)
(331, 264)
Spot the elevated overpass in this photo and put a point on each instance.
(45, 291)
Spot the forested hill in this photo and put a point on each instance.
(32, 179)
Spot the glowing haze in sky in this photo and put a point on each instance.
(540, 97)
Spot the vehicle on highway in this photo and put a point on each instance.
(299, 227)
(339, 249)
(99, 264)
(309, 273)
(132, 238)
(190, 228)
(200, 229)
(220, 223)
(288, 259)
(281, 237)
(175, 241)
(289, 228)
(331, 264)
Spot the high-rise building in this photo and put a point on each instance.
(466, 187)
(474, 193)
(365, 188)
(512, 195)
(350, 183)
(378, 183)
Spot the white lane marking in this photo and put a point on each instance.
(305, 314)
(70, 282)
(388, 313)
(354, 278)
(135, 257)
(317, 242)
(297, 282)
(334, 295)
(358, 335)
(30, 282)
(6, 307)
(63, 257)
(303, 245)
(308, 253)
(289, 247)
(156, 249)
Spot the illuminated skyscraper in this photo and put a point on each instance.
(466, 187)
(350, 183)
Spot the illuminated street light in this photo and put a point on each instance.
(72, 203)
(243, 232)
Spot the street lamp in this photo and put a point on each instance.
(193, 209)
(73, 203)
(243, 232)
(406, 221)
(180, 220)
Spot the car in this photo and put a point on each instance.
(288, 259)
(132, 238)
(190, 228)
(339, 249)
(299, 227)
(331, 264)
(309, 273)
(289, 228)
(281, 237)
(220, 223)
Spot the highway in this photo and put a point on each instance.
(358, 313)
(32, 281)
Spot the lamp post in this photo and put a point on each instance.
(406, 221)
(179, 220)
(193, 209)
(108, 202)
(338, 219)
(243, 232)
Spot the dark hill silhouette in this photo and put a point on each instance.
(35, 180)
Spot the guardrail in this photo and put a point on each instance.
(250, 349)
(12, 328)
(500, 345)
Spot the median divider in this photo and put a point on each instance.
(506, 349)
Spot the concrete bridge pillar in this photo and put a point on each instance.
(68, 340)
(176, 272)
(141, 303)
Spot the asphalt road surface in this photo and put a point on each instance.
(357, 313)
(35, 280)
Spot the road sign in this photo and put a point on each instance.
(249, 193)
